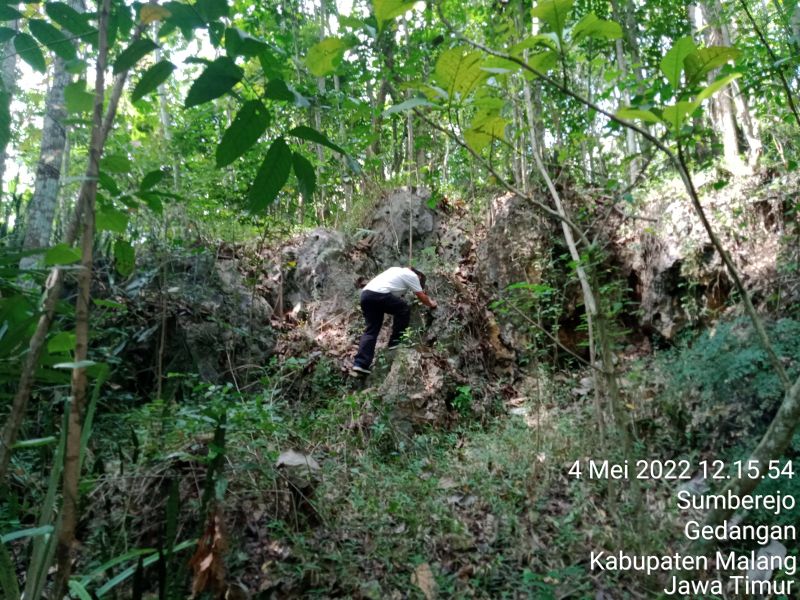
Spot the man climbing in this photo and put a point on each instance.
(383, 295)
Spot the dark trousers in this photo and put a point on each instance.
(375, 305)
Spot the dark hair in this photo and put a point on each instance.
(421, 276)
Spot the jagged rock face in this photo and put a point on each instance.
(514, 246)
(402, 214)
(675, 273)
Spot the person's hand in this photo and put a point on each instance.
(433, 305)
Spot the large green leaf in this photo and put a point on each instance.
(638, 114)
(6, 33)
(324, 57)
(116, 163)
(554, 13)
(458, 70)
(715, 86)
(152, 179)
(133, 54)
(386, 10)
(218, 78)
(111, 219)
(62, 254)
(63, 341)
(5, 119)
(592, 26)
(672, 63)
(124, 257)
(541, 63)
(77, 98)
(312, 135)
(276, 89)
(211, 10)
(71, 20)
(704, 60)
(407, 105)
(485, 127)
(271, 176)
(185, 17)
(249, 124)
(9, 13)
(549, 40)
(306, 177)
(152, 78)
(52, 38)
(675, 115)
(239, 43)
(30, 52)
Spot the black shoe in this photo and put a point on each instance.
(359, 369)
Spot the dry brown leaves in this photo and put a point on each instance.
(207, 563)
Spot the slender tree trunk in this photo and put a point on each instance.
(71, 475)
(8, 79)
(43, 204)
(630, 137)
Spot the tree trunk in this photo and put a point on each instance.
(8, 74)
(631, 146)
(71, 474)
(707, 19)
(43, 204)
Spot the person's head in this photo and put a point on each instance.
(420, 275)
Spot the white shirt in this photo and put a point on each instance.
(395, 280)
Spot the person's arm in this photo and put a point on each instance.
(425, 299)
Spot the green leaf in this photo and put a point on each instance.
(704, 60)
(153, 201)
(672, 63)
(9, 13)
(554, 13)
(133, 54)
(152, 78)
(324, 57)
(271, 176)
(211, 10)
(306, 177)
(6, 33)
(5, 119)
(276, 89)
(77, 589)
(592, 26)
(61, 254)
(185, 17)
(541, 63)
(111, 219)
(81, 364)
(116, 163)
(32, 531)
(71, 20)
(124, 257)
(30, 52)
(407, 105)
(270, 65)
(52, 38)
(386, 10)
(635, 113)
(77, 98)
(542, 39)
(152, 179)
(239, 43)
(249, 124)
(312, 135)
(715, 86)
(218, 78)
(485, 127)
(35, 443)
(675, 115)
(458, 70)
(63, 341)
(107, 183)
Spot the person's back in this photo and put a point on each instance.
(395, 280)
